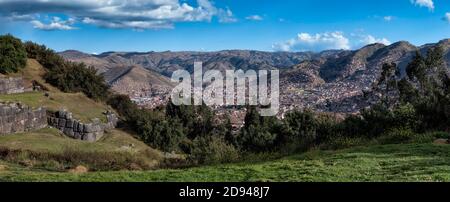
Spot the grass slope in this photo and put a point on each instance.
(51, 140)
(81, 106)
(404, 162)
(50, 149)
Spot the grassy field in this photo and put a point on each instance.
(404, 162)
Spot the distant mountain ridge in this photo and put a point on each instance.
(331, 69)
(333, 60)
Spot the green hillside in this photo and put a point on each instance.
(81, 106)
(403, 162)
(50, 149)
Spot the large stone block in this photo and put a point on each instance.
(77, 135)
(80, 127)
(69, 123)
(62, 123)
(90, 137)
(88, 128)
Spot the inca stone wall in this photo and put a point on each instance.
(11, 85)
(15, 118)
(73, 128)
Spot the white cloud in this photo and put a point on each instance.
(327, 41)
(369, 39)
(226, 16)
(447, 17)
(254, 18)
(424, 3)
(55, 24)
(316, 42)
(18, 17)
(136, 14)
(388, 18)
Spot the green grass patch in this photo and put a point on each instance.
(406, 162)
(51, 140)
(49, 150)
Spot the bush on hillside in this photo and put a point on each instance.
(12, 54)
(213, 150)
(68, 76)
(259, 133)
(397, 136)
(298, 131)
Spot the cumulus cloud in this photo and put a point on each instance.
(55, 24)
(315, 42)
(327, 41)
(446, 17)
(142, 14)
(254, 18)
(424, 3)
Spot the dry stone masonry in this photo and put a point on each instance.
(11, 85)
(73, 128)
(16, 118)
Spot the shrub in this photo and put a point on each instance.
(404, 116)
(397, 136)
(68, 76)
(13, 55)
(212, 150)
(327, 128)
(300, 125)
(379, 119)
(123, 105)
(438, 135)
(259, 133)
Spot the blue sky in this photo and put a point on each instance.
(209, 25)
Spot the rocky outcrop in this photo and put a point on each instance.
(73, 128)
(15, 118)
(10, 85)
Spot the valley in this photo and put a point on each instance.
(333, 81)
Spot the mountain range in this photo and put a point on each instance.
(330, 72)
